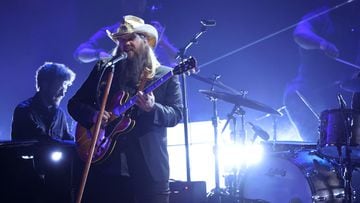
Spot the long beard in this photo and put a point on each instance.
(132, 68)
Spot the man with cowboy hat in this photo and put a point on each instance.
(138, 166)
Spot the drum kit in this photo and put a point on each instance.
(293, 171)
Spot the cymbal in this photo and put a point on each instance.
(216, 83)
(240, 100)
(352, 85)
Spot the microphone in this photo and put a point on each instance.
(115, 59)
(341, 101)
(259, 132)
(208, 23)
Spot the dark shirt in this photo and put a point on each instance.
(33, 120)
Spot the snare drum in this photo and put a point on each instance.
(292, 177)
(333, 133)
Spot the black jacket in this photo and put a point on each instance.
(149, 132)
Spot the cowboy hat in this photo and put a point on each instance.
(133, 24)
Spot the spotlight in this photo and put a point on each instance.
(56, 156)
(26, 157)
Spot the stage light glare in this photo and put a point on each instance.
(238, 155)
(56, 156)
(26, 157)
(229, 155)
(254, 154)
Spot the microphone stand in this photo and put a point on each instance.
(231, 116)
(94, 139)
(96, 134)
(181, 56)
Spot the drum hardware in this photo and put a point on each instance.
(275, 119)
(283, 177)
(311, 173)
(286, 148)
(237, 110)
(335, 127)
(217, 194)
(218, 83)
(232, 180)
(232, 191)
(346, 164)
(339, 140)
(274, 122)
(258, 132)
(240, 100)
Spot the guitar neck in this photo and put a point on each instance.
(132, 101)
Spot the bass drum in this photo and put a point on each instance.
(292, 178)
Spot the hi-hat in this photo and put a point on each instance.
(240, 100)
(352, 85)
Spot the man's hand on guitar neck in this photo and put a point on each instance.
(145, 102)
(105, 119)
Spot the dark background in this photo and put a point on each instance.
(34, 31)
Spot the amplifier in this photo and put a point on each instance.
(189, 192)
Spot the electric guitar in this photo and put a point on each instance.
(119, 123)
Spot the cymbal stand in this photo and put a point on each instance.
(242, 132)
(274, 131)
(234, 181)
(216, 194)
(237, 110)
(237, 172)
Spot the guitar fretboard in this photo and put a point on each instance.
(131, 102)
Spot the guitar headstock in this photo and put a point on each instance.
(185, 65)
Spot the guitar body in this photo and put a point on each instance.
(108, 135)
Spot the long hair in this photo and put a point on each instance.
(153, 63)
